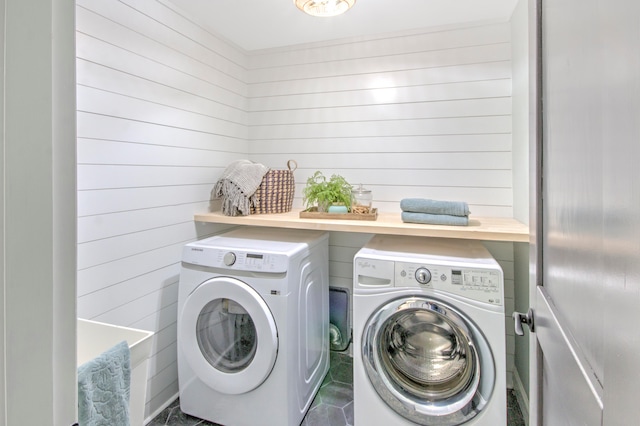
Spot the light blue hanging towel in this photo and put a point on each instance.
(104, 387)
(425, 205)
(435, 219)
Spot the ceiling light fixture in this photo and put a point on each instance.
(324, 8)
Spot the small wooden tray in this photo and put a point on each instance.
(313, 213)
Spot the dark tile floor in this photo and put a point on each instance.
(332, 406)
(514, 415)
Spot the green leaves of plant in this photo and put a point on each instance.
(323, 193)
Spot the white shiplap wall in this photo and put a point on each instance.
(425, 114)
(161, 111)
(419, 114)
(164, 106)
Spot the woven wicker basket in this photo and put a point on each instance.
(275, 193)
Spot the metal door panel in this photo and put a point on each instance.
(570, 326)
(572, 170)
(586, 199)
(621, 187)
(571, 393)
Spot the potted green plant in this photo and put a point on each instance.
(323, 192)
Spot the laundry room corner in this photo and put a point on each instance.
(165, 104)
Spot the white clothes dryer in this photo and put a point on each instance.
(253, 325)
(429, 333)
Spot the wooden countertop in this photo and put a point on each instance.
(479, 228)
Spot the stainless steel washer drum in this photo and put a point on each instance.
(422, 358)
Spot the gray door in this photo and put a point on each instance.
(587, 305)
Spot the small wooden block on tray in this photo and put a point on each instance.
(313, 213)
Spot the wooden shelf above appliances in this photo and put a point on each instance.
(479, 228)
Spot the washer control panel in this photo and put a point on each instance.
(485, 285)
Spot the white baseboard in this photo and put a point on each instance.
(521, 396)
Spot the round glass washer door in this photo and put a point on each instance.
(229, 336)
(421, 356)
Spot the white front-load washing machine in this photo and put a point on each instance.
(429, 333)
(253, 325)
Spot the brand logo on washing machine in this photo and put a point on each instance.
(366, 265)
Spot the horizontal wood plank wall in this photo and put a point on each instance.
(162, 109)
(421, 114)
(164, 106)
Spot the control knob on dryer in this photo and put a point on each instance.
(229, 258)
(423, 275)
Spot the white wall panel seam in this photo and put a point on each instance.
(326, 56)
(421, 60)
(168, 312)
(372, 103)
(361, 73)
(391, 55)
(134, 154)
(106, 9)
(167, 355)
(470, 107)
(86, 292)
(164, 337)
(190, 222)
(169, 372)
(404, 144)
(103, 75)
(390, 138)
(91, 202)
(374, 120)
(125, 97)
(95, 50)
(107, 308)
(375, 42)
(389, 95)
(385, 79)
(191, 23)
(91, 228)
(115, 143)
(231, 51)
(116, 259)
(130, 315)
(141, 287)
(123, 129)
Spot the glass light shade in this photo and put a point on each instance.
(324, 8)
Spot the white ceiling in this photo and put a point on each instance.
(261, 24)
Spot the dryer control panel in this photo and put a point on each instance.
(239, 260)
(485, 285)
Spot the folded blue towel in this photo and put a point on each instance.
(104, 386)
(424, 205)
(435, 219)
